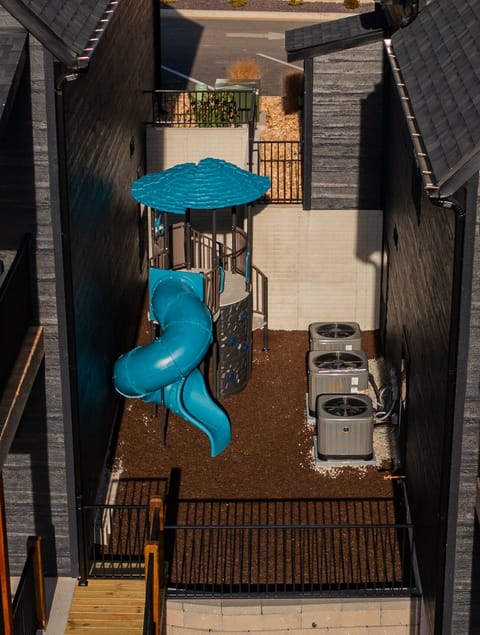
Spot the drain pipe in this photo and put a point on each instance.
(68, 329)
(456, 383)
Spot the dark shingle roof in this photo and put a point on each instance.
(337, 35)
(439, 59)
(12, 60)
(63, 26)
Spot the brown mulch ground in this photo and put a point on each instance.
(270, 455)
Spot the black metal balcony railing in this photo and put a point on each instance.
(203, 108)
(263, 548)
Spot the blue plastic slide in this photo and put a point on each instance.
(165, 371)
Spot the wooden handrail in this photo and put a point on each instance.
(19, 386)
(34, 544)
(154, 551)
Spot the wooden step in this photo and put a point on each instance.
(107, 607)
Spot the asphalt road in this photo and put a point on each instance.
(200, 50)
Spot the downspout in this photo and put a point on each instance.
(457, 381)
(69, 327)
(452, 437)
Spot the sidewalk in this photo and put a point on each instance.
(220, 9)
(203, 14)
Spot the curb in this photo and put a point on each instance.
(250, 15)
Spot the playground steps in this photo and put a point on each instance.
(105, 607)
(395, 616)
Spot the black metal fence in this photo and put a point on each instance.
(203, 108)
(115, 536)
(291, 560)
(281, 161)
(251, 548)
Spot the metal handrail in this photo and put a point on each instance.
(216, 556)
(310, 560)
(260, 300)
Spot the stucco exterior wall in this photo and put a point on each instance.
(170, 146)
(321, 265)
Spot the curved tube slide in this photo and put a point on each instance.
(165, 371)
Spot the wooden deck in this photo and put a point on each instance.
(107, 607)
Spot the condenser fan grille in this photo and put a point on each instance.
(335, 330)
(338, 360)
(345, 407)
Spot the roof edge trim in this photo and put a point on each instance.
(72, 59)
(421, 154)
(102, 25)
(338, 45)
(344, 33)
(460, 173)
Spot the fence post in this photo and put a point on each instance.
(156, 505)
(34, 543)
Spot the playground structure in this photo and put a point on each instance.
(204, 293)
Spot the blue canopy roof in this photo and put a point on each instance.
(210, 184)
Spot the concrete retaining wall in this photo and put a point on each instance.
(378, 616)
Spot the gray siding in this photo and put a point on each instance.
(419, 238)
(35, 474)
(105, 109)
(466, 557)
(104, 114)
(347, 129)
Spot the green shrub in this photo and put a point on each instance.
(214, 109)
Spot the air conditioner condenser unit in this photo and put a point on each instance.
(344, 427)
(336, 372)
(335, 336)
